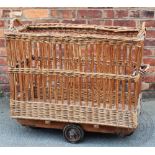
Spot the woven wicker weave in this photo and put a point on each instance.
(75, 73)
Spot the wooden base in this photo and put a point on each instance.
(86, 127)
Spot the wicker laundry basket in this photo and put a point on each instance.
(62, 75)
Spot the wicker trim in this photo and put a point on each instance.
(82, 26)
(73, 113)
(66, 37)
(20, 32)
(71, 73)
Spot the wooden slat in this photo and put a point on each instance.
(117, 93)
(27, 79)
(35, 60)
(12, 88)
(72, 68)
(130, 59)
(54, 56)
(50, 87)
(86, 70)
(13, 53)
(65, 56)
(9, 53)
(102, 56)
(118, 48)
(22, 65)
(107, 58)
(98, 50)
(75, 49)
(123, 94)
(41, 66)
(15, 86)
(68, 61)
(44, 77)
(39, 76)
(60, 55)
(110, 92)
(69, 53)
(18, 65)
(129, 94)
(125, 59)
(92, 70)
(22, 51)
(136, 56)
(110, 86)
(62, 89)
(111, 58)
(80, 69)
(49, 49)
(118, 71)
(8, 50)
(55, 89)
(99, 92)
(31, 75)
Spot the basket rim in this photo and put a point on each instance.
(18, 31)
(81, 26)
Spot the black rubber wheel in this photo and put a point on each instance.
(73, 133)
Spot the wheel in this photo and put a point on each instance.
(73, 133)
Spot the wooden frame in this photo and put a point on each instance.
(85, 127)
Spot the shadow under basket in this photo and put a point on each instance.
(76, 74)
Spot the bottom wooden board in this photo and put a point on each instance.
(86, 127)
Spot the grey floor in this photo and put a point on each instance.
(13, 134)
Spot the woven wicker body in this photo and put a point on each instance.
(75, 73)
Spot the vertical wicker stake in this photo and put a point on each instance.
(129, 94)
(123, 94)
(19, 58)
(86, 70)
(80, 69)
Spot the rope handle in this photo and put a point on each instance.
(142, 32)
(144, 68)
(143, 26)
(14, 23)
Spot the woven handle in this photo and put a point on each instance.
(15, 23)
